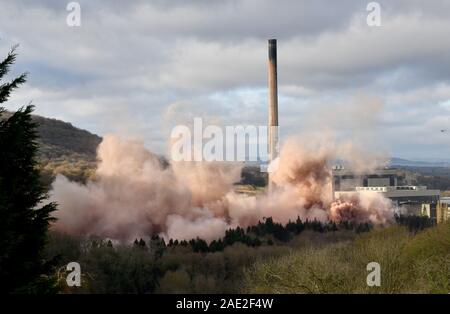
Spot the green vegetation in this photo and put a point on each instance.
(23, 219)
(153, 267)
(409, 264)
(268, 256)
(438, 182)
(64, 149)
(59, 139)
(77, 169)
(437, 178)
(252, 176)
(149, 269)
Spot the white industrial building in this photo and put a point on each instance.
(413, 200)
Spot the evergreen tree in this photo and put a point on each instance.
(24, 220)
(199, 245)
(216, 246)
(184, 243)
(142, 243)
(157, 245)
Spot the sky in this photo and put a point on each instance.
(138, 68)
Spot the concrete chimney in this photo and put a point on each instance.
(273, 101)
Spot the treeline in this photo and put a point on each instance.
(415, 223)
(154, 265)
(267, 232)
(438, 182)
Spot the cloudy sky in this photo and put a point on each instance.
(139, 67)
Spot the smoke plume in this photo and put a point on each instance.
(134, 195)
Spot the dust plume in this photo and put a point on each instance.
(134, 195)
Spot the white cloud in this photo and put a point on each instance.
(134, 60)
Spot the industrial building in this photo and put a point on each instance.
(443, 210)
(407, 199)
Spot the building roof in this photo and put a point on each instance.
(343, 171)
(445, 200)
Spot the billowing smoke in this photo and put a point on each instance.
(362, 208)
(133, 195)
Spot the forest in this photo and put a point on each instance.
(232, 264)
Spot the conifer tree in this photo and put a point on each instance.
(24, 216)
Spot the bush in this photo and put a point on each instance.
(409, 264)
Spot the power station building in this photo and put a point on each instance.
(408, 199)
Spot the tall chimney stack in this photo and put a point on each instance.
(273, 101)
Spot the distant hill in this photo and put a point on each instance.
(65, 149)
(399, 162)
(61, 139)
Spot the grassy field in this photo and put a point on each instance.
(409, 264)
